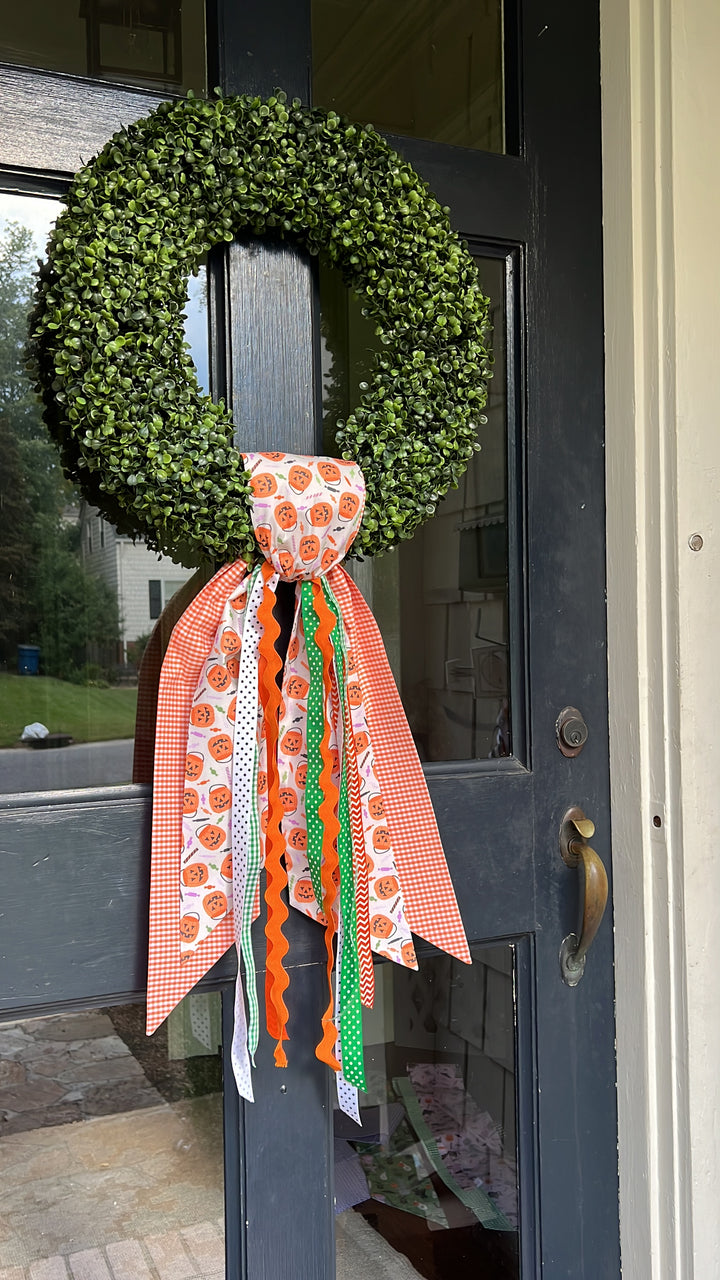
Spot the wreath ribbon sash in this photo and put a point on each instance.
(306, 769)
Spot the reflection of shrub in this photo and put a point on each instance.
(72, 610)
(136, 649)
(90, 674)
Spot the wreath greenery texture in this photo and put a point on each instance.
(107, 344)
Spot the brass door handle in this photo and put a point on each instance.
(575, 832)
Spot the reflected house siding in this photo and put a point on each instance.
(128, 568)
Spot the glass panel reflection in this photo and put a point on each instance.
(111, 1144)
(434, 1170)
(159, 44)
(77, 600)
(441, 599)
(423, 68)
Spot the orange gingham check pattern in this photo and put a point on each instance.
(430, 904)
(190, 643)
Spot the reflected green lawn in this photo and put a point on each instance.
(89, 714)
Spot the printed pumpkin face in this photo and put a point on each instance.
(351, 663)
(298, 838)
(263, 533)
(304, 891)
(190, 801)
(286, 562)
(297, 687)
(292, 742)
(362, 742)
(407, 952)
(219, 677)
(264, 819)
(293, 649)
(309, 548)
(226, 868)
(273, 457)
(189, 927)
(288, 799)
(230, 641)
(262, 781)
(286, 515)
(215, 904)
(349, 506)
(354, 693)
(320, 514)
(299, 478)
(233, 667)
(381, 926)
(220, 799)
(328, 558)
(193, 767)
(194, 874)
(381, 839)
(301, 774)
(376, 807)
(202, 715)
(211, 837)
(238, 603)
(263, 484)
(329, 471)
(386, 887)
(232, 711)
(220, 747)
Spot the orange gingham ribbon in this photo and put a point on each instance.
(305, 513)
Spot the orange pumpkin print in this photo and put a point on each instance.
(351, 663)
(362, 742)
(195, 873)
(381, 926)
(309, 547)
(376, 807)
(220, 747)
(381, 839)
(190, 801)
(189, 927)
(286, 562)
(293, 649)
(407, 951)
(226, 868)
(386, 887)
(298, 838)
(301, 774)
(304, 891)
(292, 742)
(238, 603)
(220, 798)
(233, 666)
(202, 714)
(299, 478)
(329, 471)
(219, 677)
(264, 819)
(230, 641)
(263, 533)
(288, 799)
(297, 687)
(263, 485)
(349, 506)
(193, 767)
(273, 457)
(262, 781)
(211, 837)
(354, 693)
(286, 515)
(215, 904)
(232, 711)
(320, 515)
(328, 558)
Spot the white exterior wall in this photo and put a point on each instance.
(661, 95)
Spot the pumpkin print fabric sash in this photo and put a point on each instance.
(304, 770)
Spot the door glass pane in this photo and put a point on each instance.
(423, 68)
(77, 600)
(159, 44)
(429, 1186)
(111, 1145)
(440, 599)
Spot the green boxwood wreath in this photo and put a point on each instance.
(107, 342)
